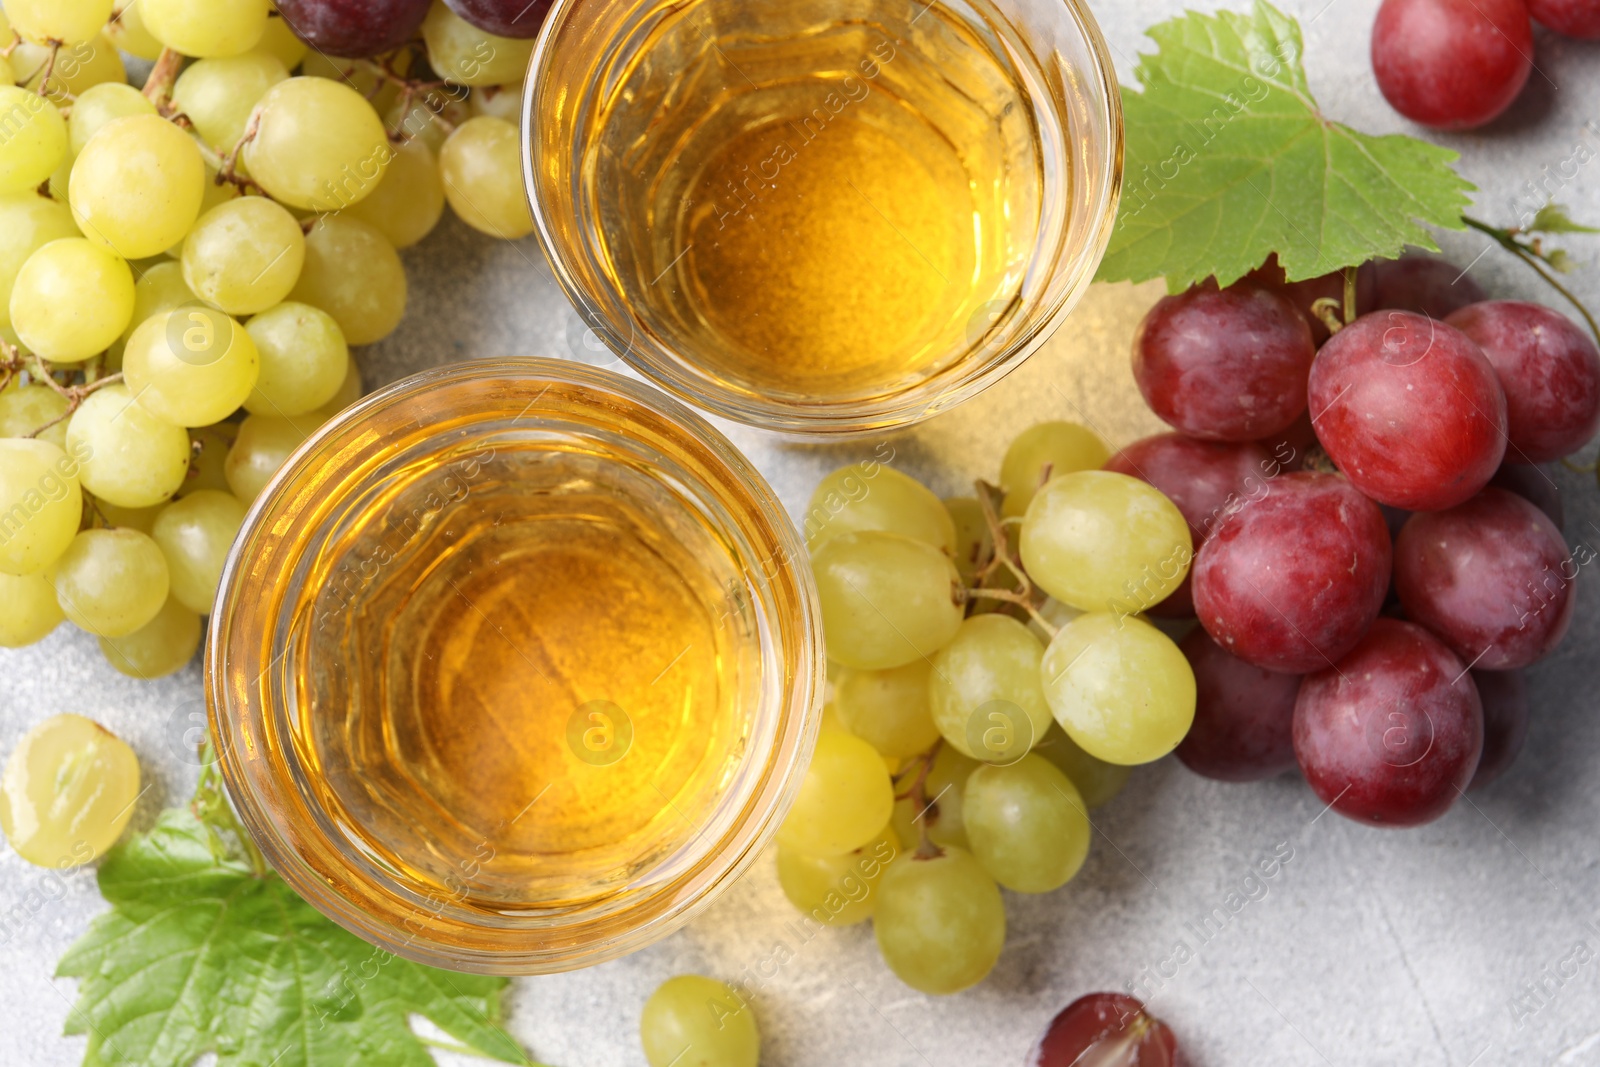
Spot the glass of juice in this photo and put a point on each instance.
(822, 215)
(514, 667)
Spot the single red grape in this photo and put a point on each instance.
(1202, 478)
(354, 29)
(1574, 18)
(1243, 716)
(504, 18)
(1224, 364)
(1490, 577)
(1504, 695)
(1534, 484)
(1419, 282)
(1291, 580)
(1549, 369)
(1410, 410)
(1451, 64)
(1393, 733)
(1106, 1030)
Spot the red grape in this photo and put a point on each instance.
(1533, 484)
(1393, 733)
(1409, 409)
(1106, 1030)
(1574, 18)
(354, 28)
(1550, 372)
(1243, 716)
(1451, 64)
(1504, 695)
(1490, 577)
(1419, 282)
(1224, 364)
(1202, 478)
(504, 18)
(1291, 580)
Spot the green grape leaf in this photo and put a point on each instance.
(1553, 218)
(200, 954)
(1229, 159)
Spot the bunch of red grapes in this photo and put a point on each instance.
(1379, 551)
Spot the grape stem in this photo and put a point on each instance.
(1531, 254)
(1000, 549)
(163, 76)
(16, 42)
(228, 166)
(12, 361)
(1350, 310)
(927, 811)
(1326, 309)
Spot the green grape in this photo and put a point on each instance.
(25, 409)
(244, 256)
(354, 274)
(133, 459)
(162, 646)
(127, 31)
(208, 457)
(940, 922)
(481, 165)
(382, 93)
(219, 94)
(31, 610)
(844, 802)
(67, 792)
(466, 55)
(190, 367)
(137, 186)
(940, 812)
(350, 390)
(429, 118)
(974, 544)
(78, 68)
(888, 709)
(7, 75)
(34, 141)
(261, 448)
(160, 289)
(28, 222)
(870, 496)
(141, 519)
(41, 504)
(279, 41)
(1027, 824)
(409, 201)
(837, 890)
(690, 1021)
(1097, 781)
(100, 105)
(195, 534)
(71, 300)
(498, 101)
(984, 689)
(67, 21)
(886, 600)
(1102, 541)
(207, 28)
(1055, 615)
(1119, 687)
(319, 145)
(110, 582)
(304, 360)
(1047, 450)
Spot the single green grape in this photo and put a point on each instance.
(100, 105)
(498, 101)
(1028, 825)
(941, 811)
(304, 360)
(110, 582)
(940, 922)
(409, 202)
(132, 459)
(263, 445)
(67, 21)
(466, 55)
(984, 689)
(24, 409)
(161, 647)
(191, 367)
(208, 458)
(31, 611)
(71, 300)
(28, 222)
(974, 543)
(41, 504)
(690, 1021)
(35, 140)
(67, 792)
(207, 28)
(141, 519)
(429, 118)
(128, 33)
(871, 496)
(889, 709)
(481, 166)
(137, 186)
(319, 145)
(1103, 541)
(1119, 687)
(886, 600)
(219, 94)
(364, 80)
(354, 274)
(844, 802)
(837, 890)
(1096, 780)
(1044, 451)
(78, 68)
(159, 290)
(244, 256)
(195, 534)
(279, 40)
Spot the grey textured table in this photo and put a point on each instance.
(1439, 946)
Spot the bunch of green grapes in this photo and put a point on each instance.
(992, 678)
(185, 267)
